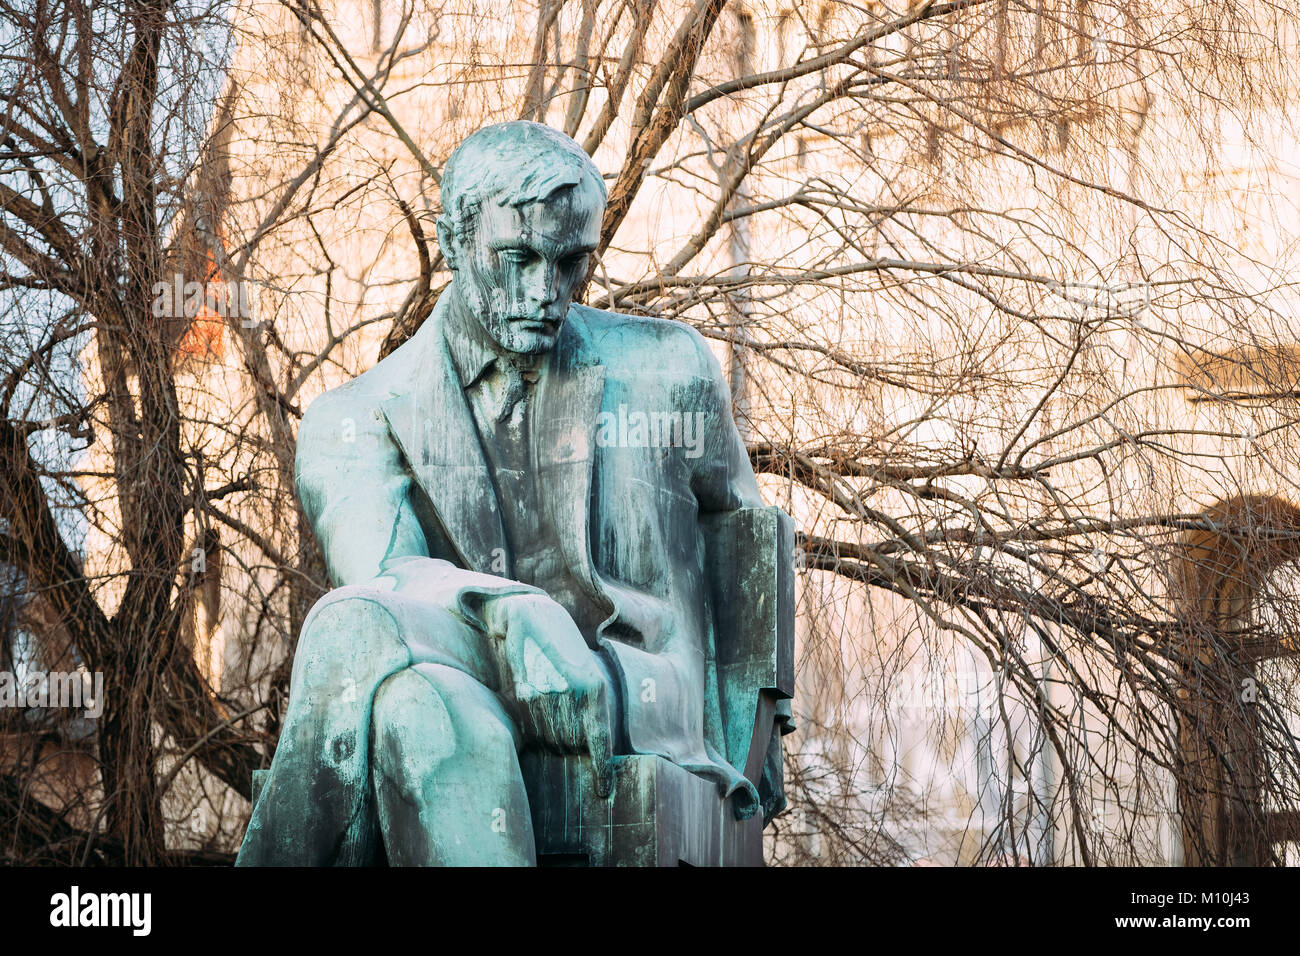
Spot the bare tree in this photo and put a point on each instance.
(1008, 319)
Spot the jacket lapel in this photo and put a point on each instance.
(432, 424)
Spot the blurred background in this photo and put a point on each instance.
(1004, 289)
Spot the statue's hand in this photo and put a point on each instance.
(561, 693)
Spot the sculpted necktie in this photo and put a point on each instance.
(518, 381)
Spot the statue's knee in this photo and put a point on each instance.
(426, 714)
(347, 620)
(411, 723)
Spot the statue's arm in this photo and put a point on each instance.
(354, 488)
(723, 478)
(723, 481)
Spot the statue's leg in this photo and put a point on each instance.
(446, 773)
(316, 808)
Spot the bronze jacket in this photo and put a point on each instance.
(390, 466)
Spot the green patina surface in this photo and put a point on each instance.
(562, 625)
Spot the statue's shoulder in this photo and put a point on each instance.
(386, 378)
(642, 341)
(352, 400)
(356, 404)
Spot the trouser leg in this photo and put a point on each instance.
(317, 807)
(447, 783)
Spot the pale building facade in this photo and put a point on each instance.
(902, 728)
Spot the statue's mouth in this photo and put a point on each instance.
(536, 323)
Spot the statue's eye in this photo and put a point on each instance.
(575, 262)
(515, 255)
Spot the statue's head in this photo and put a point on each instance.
(522, 206)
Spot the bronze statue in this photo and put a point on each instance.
(512, 508)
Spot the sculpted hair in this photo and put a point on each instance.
(512, 164)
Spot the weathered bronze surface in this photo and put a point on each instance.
(546, 540)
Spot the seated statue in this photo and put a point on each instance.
(511, 507)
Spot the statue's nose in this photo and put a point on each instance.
(542, 283)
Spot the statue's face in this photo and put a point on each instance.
(518, 269)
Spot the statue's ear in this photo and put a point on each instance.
(447, 243)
